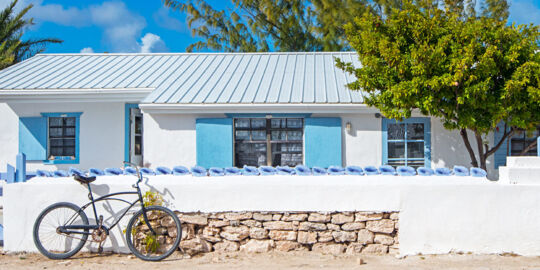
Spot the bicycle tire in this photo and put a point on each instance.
(137, 230)
(39, 236)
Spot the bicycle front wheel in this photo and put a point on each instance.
(55, 244)
(149, 246)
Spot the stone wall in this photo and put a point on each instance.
(330, 233)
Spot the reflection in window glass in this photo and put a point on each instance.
(285, 141)
(61, 136)
(405, 144)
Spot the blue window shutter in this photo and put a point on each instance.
(322, 142)
(33, 137)
(500, 154)
(214, 142)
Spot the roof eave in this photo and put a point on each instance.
(182, 108)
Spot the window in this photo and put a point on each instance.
(406, 143)
(522, 143)
(272, 142)
(62, 137)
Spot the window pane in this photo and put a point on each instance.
(242, 135)
(278, 123)
(258, 123)
(294, 123)
(55, 121)
(138, 125)
(396, 131)
(69, 142)
(241, 123)
(294, 135)
(69, 132)
(56, 151)
(396, 150)
(415, 149)
(69, 151)
(258, 135)
(279, 135)
(56, 142)
(138, 145)
(415, 131)
(69, 121)
(55, 132)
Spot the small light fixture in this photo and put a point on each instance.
(348, 127)
(377, 115)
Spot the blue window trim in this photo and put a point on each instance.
(263, 115)
(427, 137)
(127, 108)
(65, 160)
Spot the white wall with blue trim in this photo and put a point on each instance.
(101, 133)
(171, 139)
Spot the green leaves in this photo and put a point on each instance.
(12, 48)
(472, 72)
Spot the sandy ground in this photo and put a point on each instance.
(272, 260)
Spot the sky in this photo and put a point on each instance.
(143, 25)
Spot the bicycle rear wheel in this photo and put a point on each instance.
(147, 246)
(54, 244)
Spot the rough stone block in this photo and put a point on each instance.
(257, 246)
(318, 217)
(354, 248)
(283, 235)
(278, 225)
(381, 226)
(307, 237)
(343, 236)
(384, 239)
(353, 226)
(375, 249)
(258, 233)
(197, 219)
(326, 248)
(365, 237)
(324, 236)
(311, 226)
(294, 217)
(227, 246)
(262, 217)
(342, 218)
(235, 233)
(365, 216)
(287, 246)
(238, 215)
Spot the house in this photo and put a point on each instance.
(207, 109)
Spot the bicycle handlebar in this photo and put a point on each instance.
(139, 175)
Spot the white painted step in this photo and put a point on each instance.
(523, 162)
(519, 175)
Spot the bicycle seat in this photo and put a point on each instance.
(83, 179)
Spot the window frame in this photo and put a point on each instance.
(427, 139)
(64, 159)
(268, 130)
(523, 139)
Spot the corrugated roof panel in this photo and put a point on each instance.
(30, 71)
(231, 87)
(239, 95)
(78, 75)
(255, 80)
(48, 74)
(264, 86)
(205, 73)
(90, 77)
(134, 71)
(330, 79)
(297, 86)
(68, 71)
(183, 82)
(121, 71)
(194, 78)
(223, 80)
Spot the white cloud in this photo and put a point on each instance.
(122, 27)
(164, 19)
(87, 50)
(152, 43)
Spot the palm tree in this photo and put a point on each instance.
(12, 26)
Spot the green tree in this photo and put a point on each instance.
(471, 72)
(267, 25)
(12, 26)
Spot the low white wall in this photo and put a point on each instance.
(101, 133)
(437, 214)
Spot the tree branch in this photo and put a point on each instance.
(504, 137)
(463, 133)
(528, 148)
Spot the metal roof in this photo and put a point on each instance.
(194, 78)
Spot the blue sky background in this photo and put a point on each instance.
(143, 25)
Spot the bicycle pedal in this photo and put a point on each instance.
(100, 249)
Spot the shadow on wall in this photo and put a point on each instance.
(112, 210)
(177, 121)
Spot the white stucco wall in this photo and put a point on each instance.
(169, 140)
(101, 133)
(464, 214)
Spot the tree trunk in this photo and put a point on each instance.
(480, 146)
(465, 137)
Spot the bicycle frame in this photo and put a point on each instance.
(70, 229)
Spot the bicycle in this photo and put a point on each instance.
(153, 233)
